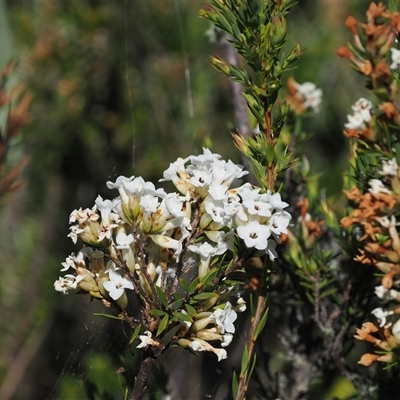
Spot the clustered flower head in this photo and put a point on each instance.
(380, 247)
(149, 243)
(303, 97)
(362, 114)
(375, 56)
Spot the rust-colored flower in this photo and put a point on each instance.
(374, 11)
(389, 109)
(367, 359)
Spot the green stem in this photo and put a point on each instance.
(263, 289)
(255, 321)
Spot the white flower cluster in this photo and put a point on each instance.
(137, 239)
(362, 114)
(310, 94)
(257, 218)
(395, 55)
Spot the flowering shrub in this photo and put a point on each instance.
(175, 253)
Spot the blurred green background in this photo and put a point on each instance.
(121, 88)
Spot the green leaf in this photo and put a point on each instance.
(245, 361)
(107, 315)
(193, 285)
(163, 325)
(176, 304)
(204, 296)
(184, 285)
(310, 297)
(235, 385)
(162, 296)
(135, 334)
(209, 276)
(327, 293)
(157, 313)
(261, 324)
(191, 310)
(179, 316)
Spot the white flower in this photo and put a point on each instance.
(279, 222)
(225, 318)
(275, 200)
(106, 207)
(226, 339)
(386, 294)
(196, 345)
(220, 353)
(396, 330)
(311, 95)
(254, 234)
(271, 252)
(84, 216)
(362, 114)
(206, 251)
(363, 107)
(75, 231)
(377, 187)
(116, 285)
(202, 345)
(67, 282)
(395, 58)
(70, 262)
(356, 121)
(146, 340)
(241, 305)
(123, 240)
(257, 206)
(389, 167)
(381, 315)
(223, 239)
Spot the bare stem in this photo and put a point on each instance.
(148, 360)
(255, 321)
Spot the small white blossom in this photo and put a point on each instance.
(395, 58)
(75, 231)
(202, 345)
(312, 96)
(254, 234)
(363, 107)
(226, 339)
(386, 294)
(225, 318)
(377, 187)
(116, 285)
(381, 315)
(279, 222)
(396, 330)
(146, 340)
(241, 305)
(356, 121)
(67, 282)
(389, 167)
(196, 345)
(362, 114)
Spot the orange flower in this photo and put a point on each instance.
(351, 23)
(374, 11)
(389, 109)
(367, 359)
